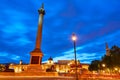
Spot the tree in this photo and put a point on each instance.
(107, 61)
(115, 54)
(2, 67)
(110, 62)
(113, 60)
(94, 66)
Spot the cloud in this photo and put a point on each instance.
(88, 56)
(15, 28)
(15, 57)
(3, 54)
(95, 22)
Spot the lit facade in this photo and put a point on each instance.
(62, 66)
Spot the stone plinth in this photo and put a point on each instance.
(34, 68)
(37, 74)
(29, 74)
(36, 57)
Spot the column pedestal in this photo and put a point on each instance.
(35, 61)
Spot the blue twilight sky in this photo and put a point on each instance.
(94, 22)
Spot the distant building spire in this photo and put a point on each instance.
(107, 50)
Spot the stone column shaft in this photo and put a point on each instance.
(39, 33)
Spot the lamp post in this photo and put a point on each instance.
(103, 65)
(74, 40)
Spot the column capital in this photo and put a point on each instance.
(41, 10)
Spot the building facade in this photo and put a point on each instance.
(61, 66)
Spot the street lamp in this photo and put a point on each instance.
(103, 65)
(74, 40)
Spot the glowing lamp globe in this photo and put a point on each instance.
(74, 37)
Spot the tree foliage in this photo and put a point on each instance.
(94, 66)
(2, 67)
(110, 61)
(114, 59)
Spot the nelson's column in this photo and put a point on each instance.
(36, 55)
